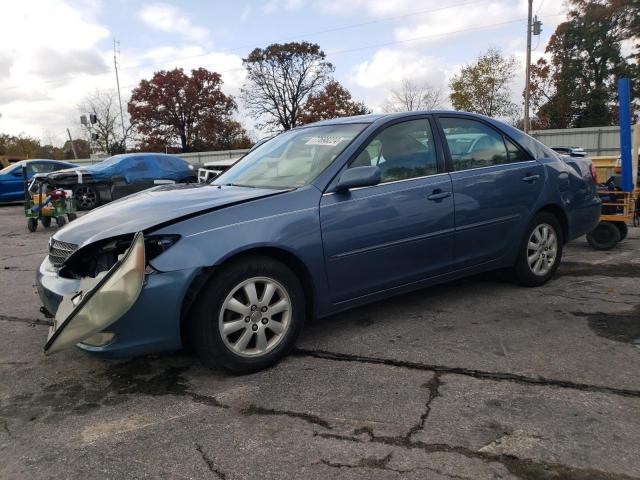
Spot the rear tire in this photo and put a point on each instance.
(45, 221)
(32, 224)
(71, 216)
(540, 251)
(86, 197)
(61, 221)
(244, 332)
(605, 236)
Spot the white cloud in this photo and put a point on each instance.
(167, 18)
(388, 67)
(272, 6)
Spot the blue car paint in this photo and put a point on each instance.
(354, 247)
(12, 181)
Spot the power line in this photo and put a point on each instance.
(305, 35)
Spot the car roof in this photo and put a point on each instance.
(372, 117)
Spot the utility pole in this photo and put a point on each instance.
(73, 147)
(527, 124)
(115, 64)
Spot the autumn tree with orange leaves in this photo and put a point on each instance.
(189, 111)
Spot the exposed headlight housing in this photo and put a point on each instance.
(94, 259)
(101, 301)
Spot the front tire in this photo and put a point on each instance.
(248, 315)
(540, 251)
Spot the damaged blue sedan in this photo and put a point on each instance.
(317, 220)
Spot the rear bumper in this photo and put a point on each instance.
(152, 325)
(584, 218)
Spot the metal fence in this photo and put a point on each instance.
(197, 159)
(597, 141)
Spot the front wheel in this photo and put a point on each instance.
(540, 251)
(248, 316)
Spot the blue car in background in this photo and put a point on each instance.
(12, 179)
(122, 175)
(317, 220)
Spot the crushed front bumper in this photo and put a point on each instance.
(151, 325)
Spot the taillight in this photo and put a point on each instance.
(594, 173)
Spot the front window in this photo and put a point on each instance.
(292, 159)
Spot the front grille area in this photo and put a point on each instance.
(60, 251)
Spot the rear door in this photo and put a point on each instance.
(397, 232)
(495, 184)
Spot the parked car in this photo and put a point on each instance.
(12, 179)
(571, 151)
(212, 169)
(317, 220)
(122, 175)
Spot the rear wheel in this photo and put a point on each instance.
(248, 316)
(32, 224)
(61, 221)
(71, 216)
(45, 221)
(605, 236)
(86, 197)
(540, 251)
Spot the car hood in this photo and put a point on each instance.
(153, 207)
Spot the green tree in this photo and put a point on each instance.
(19, 145)
(332, 101)
(483, 86)
(280, 78)
(577, 86)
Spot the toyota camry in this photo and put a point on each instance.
(317, 220)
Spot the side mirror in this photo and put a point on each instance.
(359, 177)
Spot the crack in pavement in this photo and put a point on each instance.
(479, 374)
(210, 463)
(526, 469)
(37, 321)
(307, 417)
(432, 385)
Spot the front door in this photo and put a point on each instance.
(397, 232)
(495, 185)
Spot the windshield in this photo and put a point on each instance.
(292, 159)
(11, 167)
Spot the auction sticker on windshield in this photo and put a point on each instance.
(325, 141)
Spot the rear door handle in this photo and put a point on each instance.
(530, 178)
(438, 195)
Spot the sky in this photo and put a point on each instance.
(55, 52)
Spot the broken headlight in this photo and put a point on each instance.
(99, 257)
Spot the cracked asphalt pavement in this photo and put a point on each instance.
(473, 379)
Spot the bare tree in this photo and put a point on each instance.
(280, 77)
(413, 96)
(108, 128)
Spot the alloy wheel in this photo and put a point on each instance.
(255, 316)
(85, 197)
(542, 249)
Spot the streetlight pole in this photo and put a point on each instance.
(115, 64)
(527, 124)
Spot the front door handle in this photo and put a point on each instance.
(438, 195)
(530, 178)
